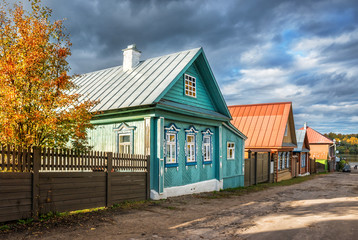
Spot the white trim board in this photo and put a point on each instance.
(199, 187)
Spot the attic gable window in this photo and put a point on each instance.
(190, 86)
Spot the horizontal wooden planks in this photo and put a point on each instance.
(69, 191)
(128, 186)
(15, 196)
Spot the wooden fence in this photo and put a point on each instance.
(37, 181)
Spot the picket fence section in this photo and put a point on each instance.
(37, 181)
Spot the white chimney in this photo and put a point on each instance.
(131, 57)
(305, 126)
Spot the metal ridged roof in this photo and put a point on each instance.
(141, 86)
(316, 137)
(263, 124)
(300, 135)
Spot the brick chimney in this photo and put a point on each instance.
(131, 57)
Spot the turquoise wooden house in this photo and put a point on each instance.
(170, 108)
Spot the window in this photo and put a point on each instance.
(171, 146)
(303, 160)
(190, 145)
(283, 160)
(125, 136)
(171, 155)
(286, 130)
(230, 150)
(125, 143)
(279, 159)
(207, 146)
(288, 160)
(190, 86)
(190, 148)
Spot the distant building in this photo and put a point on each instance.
(270, 129)
(301, 160)
(321, 148)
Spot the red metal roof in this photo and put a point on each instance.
(316, 137)
(263, 124)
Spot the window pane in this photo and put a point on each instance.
(124, 138)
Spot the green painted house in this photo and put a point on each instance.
(170, 108)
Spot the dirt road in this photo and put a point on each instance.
(323, 208)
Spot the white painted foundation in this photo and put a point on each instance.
(199, 187)
(305, 174)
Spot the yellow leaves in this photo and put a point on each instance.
(36, 107)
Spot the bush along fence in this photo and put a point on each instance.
(37, 181)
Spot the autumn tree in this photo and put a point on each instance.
(38, 106)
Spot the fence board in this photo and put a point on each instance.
(66, 180)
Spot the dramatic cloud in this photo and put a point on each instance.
(260, 51)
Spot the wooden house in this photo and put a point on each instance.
(301, 161)
(171, 108)
(321, 148)
(270, 129)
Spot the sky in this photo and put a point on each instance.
(260, 51)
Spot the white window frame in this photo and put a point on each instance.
(190, 86)
(191, 147)
(127, 146)
(228, 151)
(173, 147)
(122, 130)
(207, 148)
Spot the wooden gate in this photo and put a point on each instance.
(295, 166)
(257, 168)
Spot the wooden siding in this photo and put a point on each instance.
(184, 175)
(291, 132)
(284, 175)
(104, 137)
(319, 151)
(203, 100)
(233, 167)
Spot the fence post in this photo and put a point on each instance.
(148, 178)
(109, 179)
(35, 181)
(249, 155)
(255, 168)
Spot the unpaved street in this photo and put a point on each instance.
(323, 208)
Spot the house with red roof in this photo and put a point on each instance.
(321, 147)
(270, 129)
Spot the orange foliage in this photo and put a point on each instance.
(37, 103)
